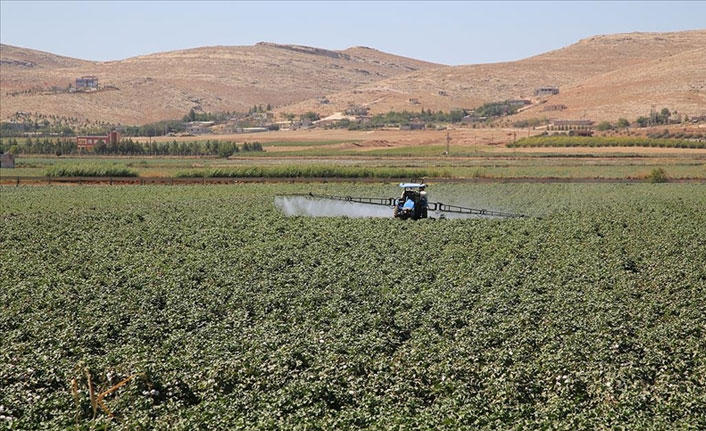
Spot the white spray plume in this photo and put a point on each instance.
(312, 207)
(300, 205)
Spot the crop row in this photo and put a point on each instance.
(96, 170)
(312, 172)
(225, 314)
(604, 141)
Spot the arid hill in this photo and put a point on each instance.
(601, 77)
(623, 60)
(12, 58)
(166, 85)
(677, 82)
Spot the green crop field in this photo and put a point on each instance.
(225, 314)
(502, 165)
(606, 141)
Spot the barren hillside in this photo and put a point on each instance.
(12, 58)
(471, 85)
(600, 77)
(677, 82)
(167, 85)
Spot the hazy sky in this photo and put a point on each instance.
(450, 33)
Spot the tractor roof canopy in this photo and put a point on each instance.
(412, 185)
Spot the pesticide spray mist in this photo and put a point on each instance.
(302, 206)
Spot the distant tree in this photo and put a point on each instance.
(642, 121)
(313, 116)
(603, 126)
(623, 123)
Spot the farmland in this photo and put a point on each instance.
(413, 161)
(229, 315)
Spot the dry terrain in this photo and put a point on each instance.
(166, 85)
(489, 141)
(604, 77)
(601, 78)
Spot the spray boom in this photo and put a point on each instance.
(412, 204)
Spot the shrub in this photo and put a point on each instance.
(90, 171)
(658, 175)
(603, 126)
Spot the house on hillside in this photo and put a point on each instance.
(262, 116)
(546, 91)
(254, 129)
(87, 82)
(413, 126)
(472, 119)
(571, 125)
(198, 127)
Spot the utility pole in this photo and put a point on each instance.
(448, 141)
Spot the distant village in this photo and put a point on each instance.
(83, 84)
(355, 117)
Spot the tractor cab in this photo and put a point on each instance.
(412, 204)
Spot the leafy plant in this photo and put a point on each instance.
(205, 307)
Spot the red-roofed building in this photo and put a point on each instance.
(89, 142)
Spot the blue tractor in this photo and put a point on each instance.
(413, 204)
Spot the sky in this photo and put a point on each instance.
(441, 32)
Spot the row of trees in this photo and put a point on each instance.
(622, 123)
(130, 147)
(39, 146)
(403, 118)
(192, 115)
(496, 109)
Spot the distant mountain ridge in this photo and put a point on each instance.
(166, 85)
(469, 86)
(599, 77)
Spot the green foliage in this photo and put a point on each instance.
(312, 116)
(313, 171)
(658, 175)
(622, 123)
(604, 125)
(242, 318)
(200, 116)
(159, 128)
(39, 146)
(530, 122)
(394, 118)
(496, 109)
(603, 141)
(103, 170)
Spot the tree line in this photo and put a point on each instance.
(129, 147)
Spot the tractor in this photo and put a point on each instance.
(413, 204)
